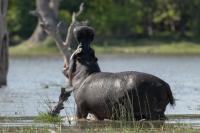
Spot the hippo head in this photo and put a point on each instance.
(84, 35)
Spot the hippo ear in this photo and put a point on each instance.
(84, 34)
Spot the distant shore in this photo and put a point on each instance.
(133, 47)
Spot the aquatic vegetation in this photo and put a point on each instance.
(46, 117)
(48, 124)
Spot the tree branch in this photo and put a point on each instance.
(51, 26)
(3, 6)
(74, 24)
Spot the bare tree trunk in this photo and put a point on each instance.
(51, 25)
(43, 6)
(3, 43)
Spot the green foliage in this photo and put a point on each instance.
(20, 23)
(115, 18)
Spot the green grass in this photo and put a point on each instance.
(106, 126)
(142, 130)
(48, 47)
(143, 46)
(151, 47)
(95, 130)
(24, 130)
(46, 118)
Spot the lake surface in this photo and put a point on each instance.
(35, 82)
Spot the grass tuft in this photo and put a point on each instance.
(47, 118)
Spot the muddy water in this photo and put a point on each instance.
(34, 82)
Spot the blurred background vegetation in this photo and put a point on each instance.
(118, 20)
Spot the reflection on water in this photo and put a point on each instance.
(31, 81)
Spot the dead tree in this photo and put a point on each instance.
(52, 25)
(46, 8)
(3, 43)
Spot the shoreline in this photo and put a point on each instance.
(48, 48)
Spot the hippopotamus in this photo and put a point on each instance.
(128, 95)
